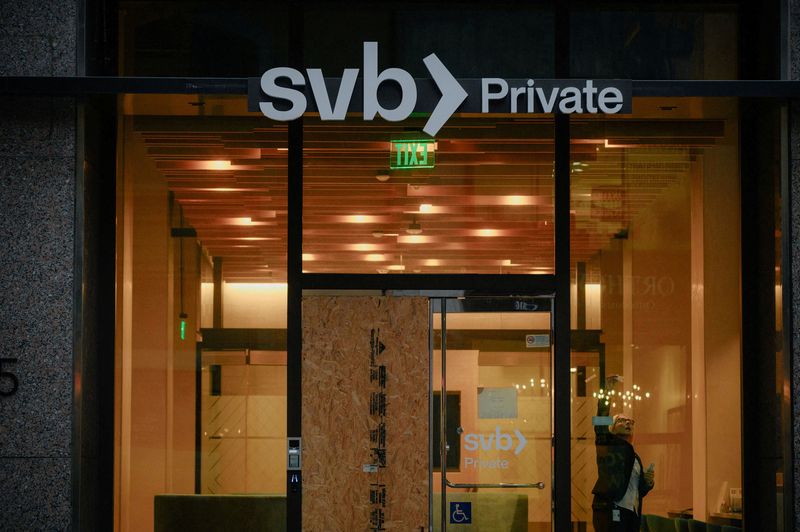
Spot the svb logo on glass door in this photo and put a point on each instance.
(510, 443)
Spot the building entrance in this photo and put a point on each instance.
(648, 215)
(408, 398)
(492, 391)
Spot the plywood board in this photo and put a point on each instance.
(337, 392)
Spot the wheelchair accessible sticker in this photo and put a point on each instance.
(460, 513)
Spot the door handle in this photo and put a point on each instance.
(537, 485)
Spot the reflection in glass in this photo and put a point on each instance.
(202, 39)
(651, 43)
(655, 292)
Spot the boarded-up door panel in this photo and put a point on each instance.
(342, 413)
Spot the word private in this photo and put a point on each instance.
(550, 96)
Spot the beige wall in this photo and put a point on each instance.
(722, 342)
(671, 325)
(155, 368)
(254, 305)
(155, 398)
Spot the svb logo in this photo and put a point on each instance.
(282, 93)
(498, 440)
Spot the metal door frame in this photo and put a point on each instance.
(440, 304)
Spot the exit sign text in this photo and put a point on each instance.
(409, 154)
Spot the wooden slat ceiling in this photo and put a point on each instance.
(486, 207)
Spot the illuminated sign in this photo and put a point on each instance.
(285, 93)
(411, 154)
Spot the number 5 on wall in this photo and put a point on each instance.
(7, 375)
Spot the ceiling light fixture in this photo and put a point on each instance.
(360, 219)
(363, 247)
(382, 176)
(213, 165)
(413, 239)
(414, 228)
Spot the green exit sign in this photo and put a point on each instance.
(410, 154)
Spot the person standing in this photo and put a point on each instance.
(622, 482)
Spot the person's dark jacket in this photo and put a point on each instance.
(615, 458)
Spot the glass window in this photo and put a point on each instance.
(477, 198)
(665, 43)
(482, 202)
(208, 39)
(473, 40)
(656, 328)
(201, 305)
(495, 356)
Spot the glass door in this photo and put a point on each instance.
(492, 413)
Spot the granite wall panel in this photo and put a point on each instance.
(33, 128)
(794, 154)
(37, 224)
(38, 38)
(794, 39)
(795, 275)
(794, 176)
(37, 227)
(36, 484)
(794, 173)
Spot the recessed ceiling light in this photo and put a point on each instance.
(382, 176)
(363, 247)
(413, 239)
(359, 219)
(517, 200)
(213, 165)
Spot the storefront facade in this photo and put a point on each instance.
(375, 267)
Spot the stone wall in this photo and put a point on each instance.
(794, 174)
(37, 225)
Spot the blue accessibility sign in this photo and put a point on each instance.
(460, 513)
